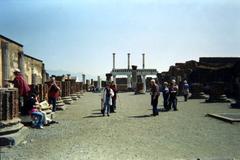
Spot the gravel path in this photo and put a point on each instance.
(82, 133)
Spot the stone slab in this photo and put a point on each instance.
(229, 117)
(14, 138)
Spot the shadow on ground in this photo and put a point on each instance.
(141, 116)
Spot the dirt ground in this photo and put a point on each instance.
(131, 133)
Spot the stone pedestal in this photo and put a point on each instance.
(67, 100)
(10, 126)
(140, 88)
(74, 97)
(196, 91)
(129, 86)
(60, 105)
(216, 93)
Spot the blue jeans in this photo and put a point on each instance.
(39, 121)
(106, 106)
(53, 101)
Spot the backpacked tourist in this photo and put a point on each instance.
(185, 90)
(173, 89)
(154, 97)
(165, 91)
(23, 89)
(114, 98)
(53, 94)
(107, 99)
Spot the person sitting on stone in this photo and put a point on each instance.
(38, 117)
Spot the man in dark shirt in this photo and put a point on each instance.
(154, 96)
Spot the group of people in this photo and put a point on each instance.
(109, 98)
(29, 99)
(169, 95)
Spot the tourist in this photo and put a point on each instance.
(173, 89)
(53, 94)
(114, 98)
(154, 96)
(165, 91)
(185, 90)
(23, 90)
(107, 99)
(38, 118)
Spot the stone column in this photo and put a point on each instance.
(92, 82)
(114, 60)
(143, 65)
(99, 82)
(134, 77)
(144, 83)
(5, 54)
(21, 61)
(129, 85)
(128, 60)
(114, 79)
(83, 79)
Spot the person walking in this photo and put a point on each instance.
(165, 91)
(23, 90)
(154, 97)
(107, 99)
(114, 98)
(173, 89)
(185, 90)
(53, 93)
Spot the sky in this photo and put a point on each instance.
(79, 36)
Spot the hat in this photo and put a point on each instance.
(173, 81)
(165, 83)
(17, 70)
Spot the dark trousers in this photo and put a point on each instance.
(113, 106)
(185, 97)
(166, 103)
(53, 102)
(154, 103)
(173, 103)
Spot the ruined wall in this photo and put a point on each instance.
(33, 70)
(13, 51)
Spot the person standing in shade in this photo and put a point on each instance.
(53, 94)
(165, 91)
(173, 89)
(114, 98)
(154, 97)
(107, 99)
(23, 90)
(185, 90)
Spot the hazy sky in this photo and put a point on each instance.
(80, 36)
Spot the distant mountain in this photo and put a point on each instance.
(64, 72)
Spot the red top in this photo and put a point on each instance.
(20, 83)
(53, 91)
